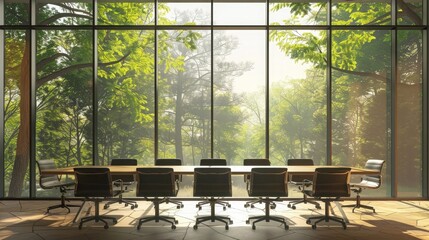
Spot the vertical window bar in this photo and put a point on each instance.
(211, 82)
(329, 87)
(267, 82)
(425, 183)
(393, 104)
(95, 160)
(2, 76)
(32, 69)
(155, 72)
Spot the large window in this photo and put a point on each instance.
(337, 81)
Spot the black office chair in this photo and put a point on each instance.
(172, 162)
(302, 181)
(255, 162)
(212, 183)
(156, 185)
(368, 181)
(329, 184)
(213, 162)
(54, 181)
(126, 180)
(266, 183)
(94, 184)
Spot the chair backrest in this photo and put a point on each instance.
(374, 164)
(256, 162)
(213, 162)
(93, 182)
(126, 178)
(269, 182)
(47, 181)
(300, 162)
(212, 182)
(331, 182)
(156, 182)
(168, 162)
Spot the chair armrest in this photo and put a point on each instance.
(121, 183)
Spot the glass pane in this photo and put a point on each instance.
(64, 97)
(235, 13)
(16, 113)
(298, 12)
(184, 95)
(371, 12)
(409, 114)
(297, 96)
(125, 95)
(184, 13)
(360, 93)
(128, 12)
(410, 12)
(239, 95)
(57, 12)
(16, 12)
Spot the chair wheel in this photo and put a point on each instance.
(273, 207)
(286, 227)
(344, 227)
(138, 227)
(289, 205)
(136, 206)
(80, 226)
(246, 205)
(226, 227)
(247, 222)
(106, 226)
(106, 206)
(229, 205)
(178, 206)
(253, 227)
(231, 222)
(318, 207)
(224, 208)
(313, 226)
(252, 206)
(132, 207)
(176, 221)
(173, 226)
(308, 222)
(126, 204)
(199, 208)
(115, 221)
(195, 227)
(293, 207)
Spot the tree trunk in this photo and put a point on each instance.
(22, 157)
(178, 118)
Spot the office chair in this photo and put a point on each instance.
(302, 181)
(368, 181)
(255, 162)
(266, 183)
(54, 181)
(94, 184)
(329, 184)
(212, 183)
(126, 180)
(156, 185)
(178, 178)
(213, 162)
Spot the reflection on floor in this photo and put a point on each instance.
(393, 220)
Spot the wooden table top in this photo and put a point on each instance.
(189, 170)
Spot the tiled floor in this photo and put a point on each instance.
(393, 220)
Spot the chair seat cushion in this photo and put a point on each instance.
(55, 184)
(365, 184)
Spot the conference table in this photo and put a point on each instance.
(189, 170)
